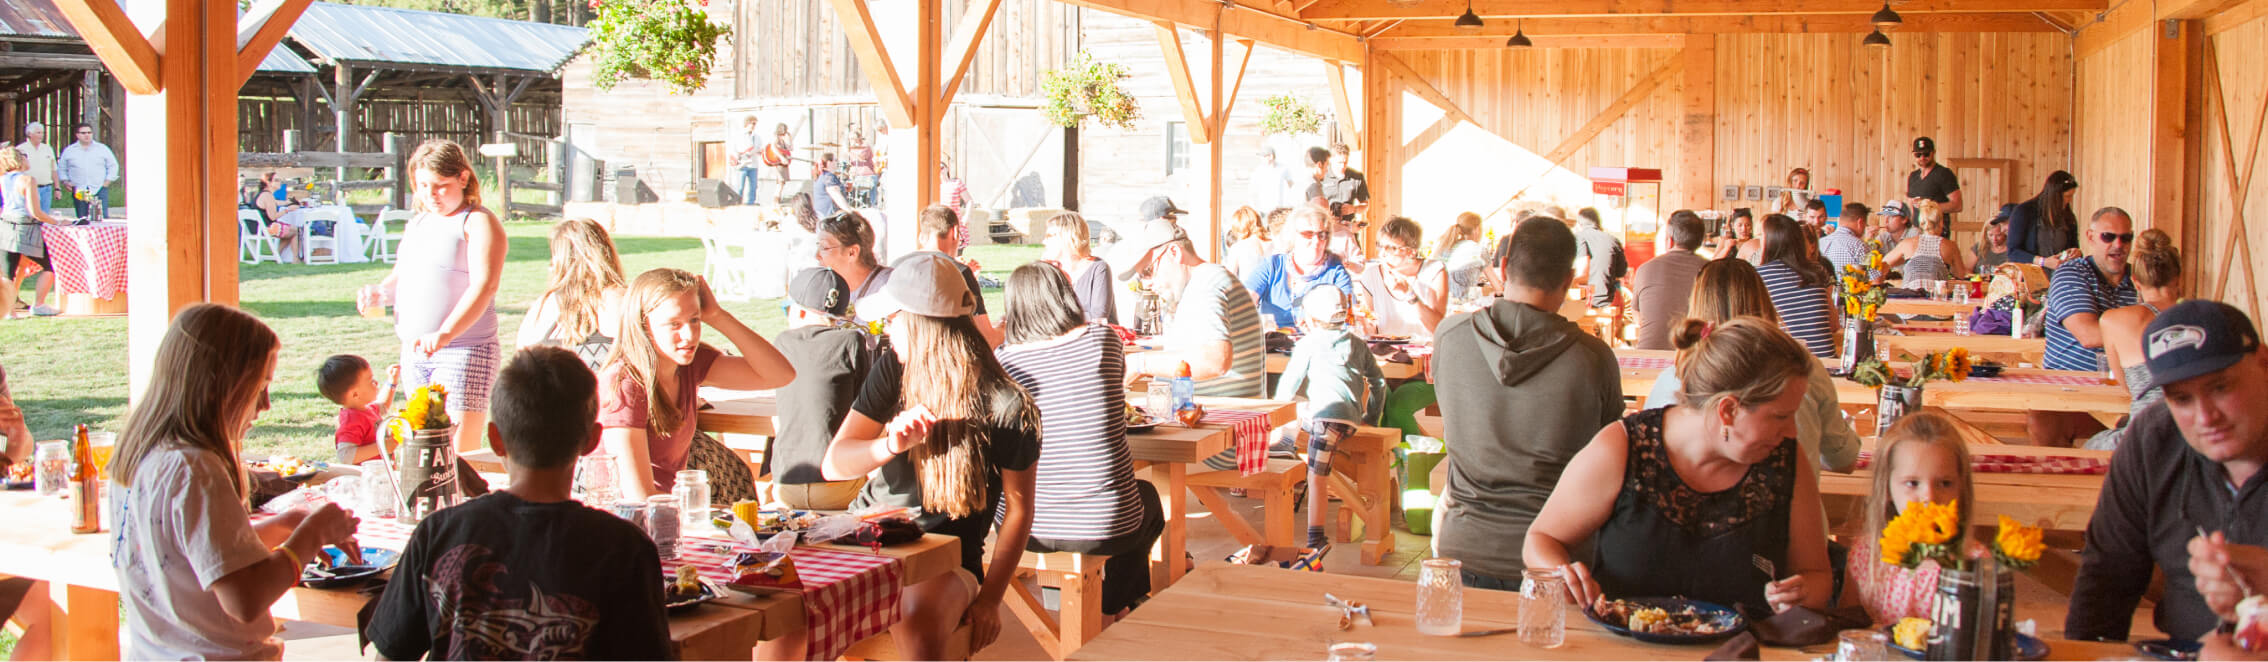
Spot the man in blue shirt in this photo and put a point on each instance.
(2077, 296)
(826, 188)
(1279, 281)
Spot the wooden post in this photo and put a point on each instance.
(1214, 122)
(397, 146)
(90, 102)
(1380, 135)
(503, 205)
(342, 109)
(2176, 131)
(1697, 134)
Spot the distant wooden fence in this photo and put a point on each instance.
(263, 122)
(394, 160)
(552, 166)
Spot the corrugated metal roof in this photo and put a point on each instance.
(35, 19)
(41, 20)
(384, 35)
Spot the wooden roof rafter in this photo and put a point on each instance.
(1258, 20)
(1375, 10)
(1417, 29)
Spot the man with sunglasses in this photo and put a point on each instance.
(1214, 329)
(1279, 281)
(2077, 296)
(1932, 181)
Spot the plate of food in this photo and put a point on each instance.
(2177, 650)
(20, 476)
(336, 572)
(1138, 420)
(1910, 637)
(1985, 369)
(766, 523)
(687, 590)
(291, 468)
(1667, 620)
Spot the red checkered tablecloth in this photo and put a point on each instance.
(1251, 430)
(2023, 464)
(89, 258)
(847, 596)
(2064, 379)
(1645, 363)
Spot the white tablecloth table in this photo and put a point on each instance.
(348, 233)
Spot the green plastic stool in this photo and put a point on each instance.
(1402, 407)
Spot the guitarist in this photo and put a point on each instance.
(776, 156)
(746, 150)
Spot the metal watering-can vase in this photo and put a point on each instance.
(1973, 617)
(424, 468)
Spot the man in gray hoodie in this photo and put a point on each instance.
(1521, 390)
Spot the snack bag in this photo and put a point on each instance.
(769, 567)
(1289, 558)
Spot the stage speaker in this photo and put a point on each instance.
(629, 190)
(713, 193)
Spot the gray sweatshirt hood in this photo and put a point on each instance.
(1518, 340)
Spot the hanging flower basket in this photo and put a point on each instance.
(1289, 115)
(672, 41)
(1086, 89)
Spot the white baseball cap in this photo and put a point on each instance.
(926, 283)
(1132, 253)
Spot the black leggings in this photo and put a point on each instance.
(14, 261)
(1126, 574)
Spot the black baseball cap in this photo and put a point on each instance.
(2195, 338)
(820, 289)
(2006, 210)
(1924, 145)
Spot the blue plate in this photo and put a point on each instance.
(2170, 649)
(2028, 648)
(375, 561)
(1732, 621)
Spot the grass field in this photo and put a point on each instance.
(69, 371)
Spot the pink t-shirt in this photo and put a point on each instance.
(358, 425)
(1891, 592)
(622, 404)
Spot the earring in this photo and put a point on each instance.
(1727, 434)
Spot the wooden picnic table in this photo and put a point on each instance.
(1927, 307)
(1394, 372)
(1243, 612)
(84, 588)
(1998, 346)
(2106, 402)
(1168, 450)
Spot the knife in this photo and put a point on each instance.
(1488, 633)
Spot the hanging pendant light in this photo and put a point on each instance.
(1877, 40)
(1470, 20)
(1520, 37)
(1885, 19)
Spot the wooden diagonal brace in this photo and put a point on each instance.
(260, 29)
(2240, 186)
(1350, 127)
(1242, 56)
(866, 42)
(1425, 90)
(1184, 89)
(113, 37)
(966, 38)
(1605, 118)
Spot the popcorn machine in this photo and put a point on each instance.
(1629, 201)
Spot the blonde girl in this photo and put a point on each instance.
(578, 309)
(20, 242)
(648, 387)
(195, 574)
(1924, 255)
(1248, 241)
(1066, 246)
(1922, 459)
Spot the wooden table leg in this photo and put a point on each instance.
(1168, 560)
(84, 622)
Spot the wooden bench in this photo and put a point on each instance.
(885, 647)
(1362, 476)
(1078, 581)
(1275, 486)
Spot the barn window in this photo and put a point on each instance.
(1176, 147)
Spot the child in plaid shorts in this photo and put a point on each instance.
(1343, 388)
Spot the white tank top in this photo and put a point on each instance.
(433, 274)
(1397, 317)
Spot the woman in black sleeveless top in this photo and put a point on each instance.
(1681, 500)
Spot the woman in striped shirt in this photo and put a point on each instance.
(1798, 285)
(1086, 497)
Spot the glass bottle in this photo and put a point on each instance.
(86, 485)
(51, 467)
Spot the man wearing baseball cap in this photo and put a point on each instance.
(1215, 326)
(2185, 495)
(1897, 223)
(831, 362)
(1932, 181)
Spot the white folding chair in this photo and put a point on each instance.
(252, 239)
(382, 232)
(719, 267)
(310, 242)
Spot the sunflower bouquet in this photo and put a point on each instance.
(428, 408)
(1951, 365)
(1860, 297)
(1931, 532)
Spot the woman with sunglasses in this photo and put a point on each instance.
(845, 245)
(1281, 280)
(1407, 295)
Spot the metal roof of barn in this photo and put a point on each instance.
(392, 38)
(41, 20)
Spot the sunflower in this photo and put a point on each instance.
(1958, 364)
(2017, 545)
(428, 408)
(1867, 312)
(1850, 306)
(1874, 261)
(1851, 284)
(1924, 531)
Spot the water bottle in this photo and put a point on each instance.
(1184, 389)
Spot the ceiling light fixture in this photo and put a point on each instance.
(1886, 19)
(1520, 37)
(1877, 40)
(1470, 20)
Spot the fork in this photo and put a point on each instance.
(1765, 565)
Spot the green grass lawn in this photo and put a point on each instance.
(69, 371)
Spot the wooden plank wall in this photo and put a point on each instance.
(1027, 37)
(2241, 51)
(1526, 102)
(2114, 136)
(1849, 114)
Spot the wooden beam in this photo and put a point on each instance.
(1350, 126)
(1247, 21)
(1215, 148)
(874, 58)
(2111, 27)
(48, 61)
(1371, 10)
(1548, 41)
(2235, 16)
(2239, 185)
(1605, 118)
(1697, 130)
(260, 29)
(1433, 133)
(2193, 9)
(1224, 104)
(113, 37)
(966, 38)
(1382, 154)
(2176, 130)
(1416, 84)
(1184, 86)
(1538, 28)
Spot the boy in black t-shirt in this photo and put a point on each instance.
(830, 362)
(527, 573)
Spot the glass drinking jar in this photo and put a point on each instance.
(1353, 651)
(663, 524)
(1961, 322)
(378, 497)
(1543, 608)
(1440, 597)
(51, 466)
(594, 480)
(1861, 646)
(692, 492)
(1160, 401)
